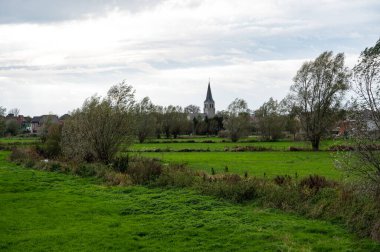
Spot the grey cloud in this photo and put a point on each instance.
(42, 11)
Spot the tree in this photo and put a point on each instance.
(270, 121)
(318, 89)
(12, 127)
(174, 121)
(237, 120)
(15, 112)
(145, 119)
(364, 161)
(2, 121)
(2, 111)
(97, 130)
(192, 109)
(193, 112)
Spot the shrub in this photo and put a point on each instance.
(230, 188)
(117, 178)
(176, 176)
(316, 182)
(144, 170)
(282, 180)
(121, 163)
(85, 170)
(24, 154)
(341, 148)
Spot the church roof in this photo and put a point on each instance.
(209, 94)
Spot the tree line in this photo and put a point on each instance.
(313, 106)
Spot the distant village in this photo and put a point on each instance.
(32, 125)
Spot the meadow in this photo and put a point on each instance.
(48, 211)
(257, 163)
(212, 153)
(219, 144)
(19, 140)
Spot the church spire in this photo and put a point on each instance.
(209, 94)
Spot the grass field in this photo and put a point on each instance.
(257, 163)
(220, 146)
(46, 211)
(21, 140)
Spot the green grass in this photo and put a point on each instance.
(45, 211)
(23, 140)
(220, 146)
(257, 163)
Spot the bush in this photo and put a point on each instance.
(24, 154)
(229, 186)
(316, 182)
(176, 176)
(341, 148)
(121, 163)
(282, 180)
(144, 170)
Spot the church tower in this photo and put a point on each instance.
(209, 104)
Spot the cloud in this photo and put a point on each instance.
(53, 54)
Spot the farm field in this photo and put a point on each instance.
(47, 211)
(257, 163)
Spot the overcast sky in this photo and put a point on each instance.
(54, 54)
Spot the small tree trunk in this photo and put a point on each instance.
(315, 143)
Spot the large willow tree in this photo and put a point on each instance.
(317, 92)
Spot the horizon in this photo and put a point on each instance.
(54, 55)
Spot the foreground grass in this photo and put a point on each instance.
(44, 211)
(257, 163)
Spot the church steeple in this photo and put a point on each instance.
(209, 94)
(209, 104)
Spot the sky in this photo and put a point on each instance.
(54, 54)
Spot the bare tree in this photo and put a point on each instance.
(318, 89)
(145, 119)
(237, 119)
(2, 120)
(270, 121)
(14, 111)
(364, 161)
(192, 109)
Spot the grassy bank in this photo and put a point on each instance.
(57, 212)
